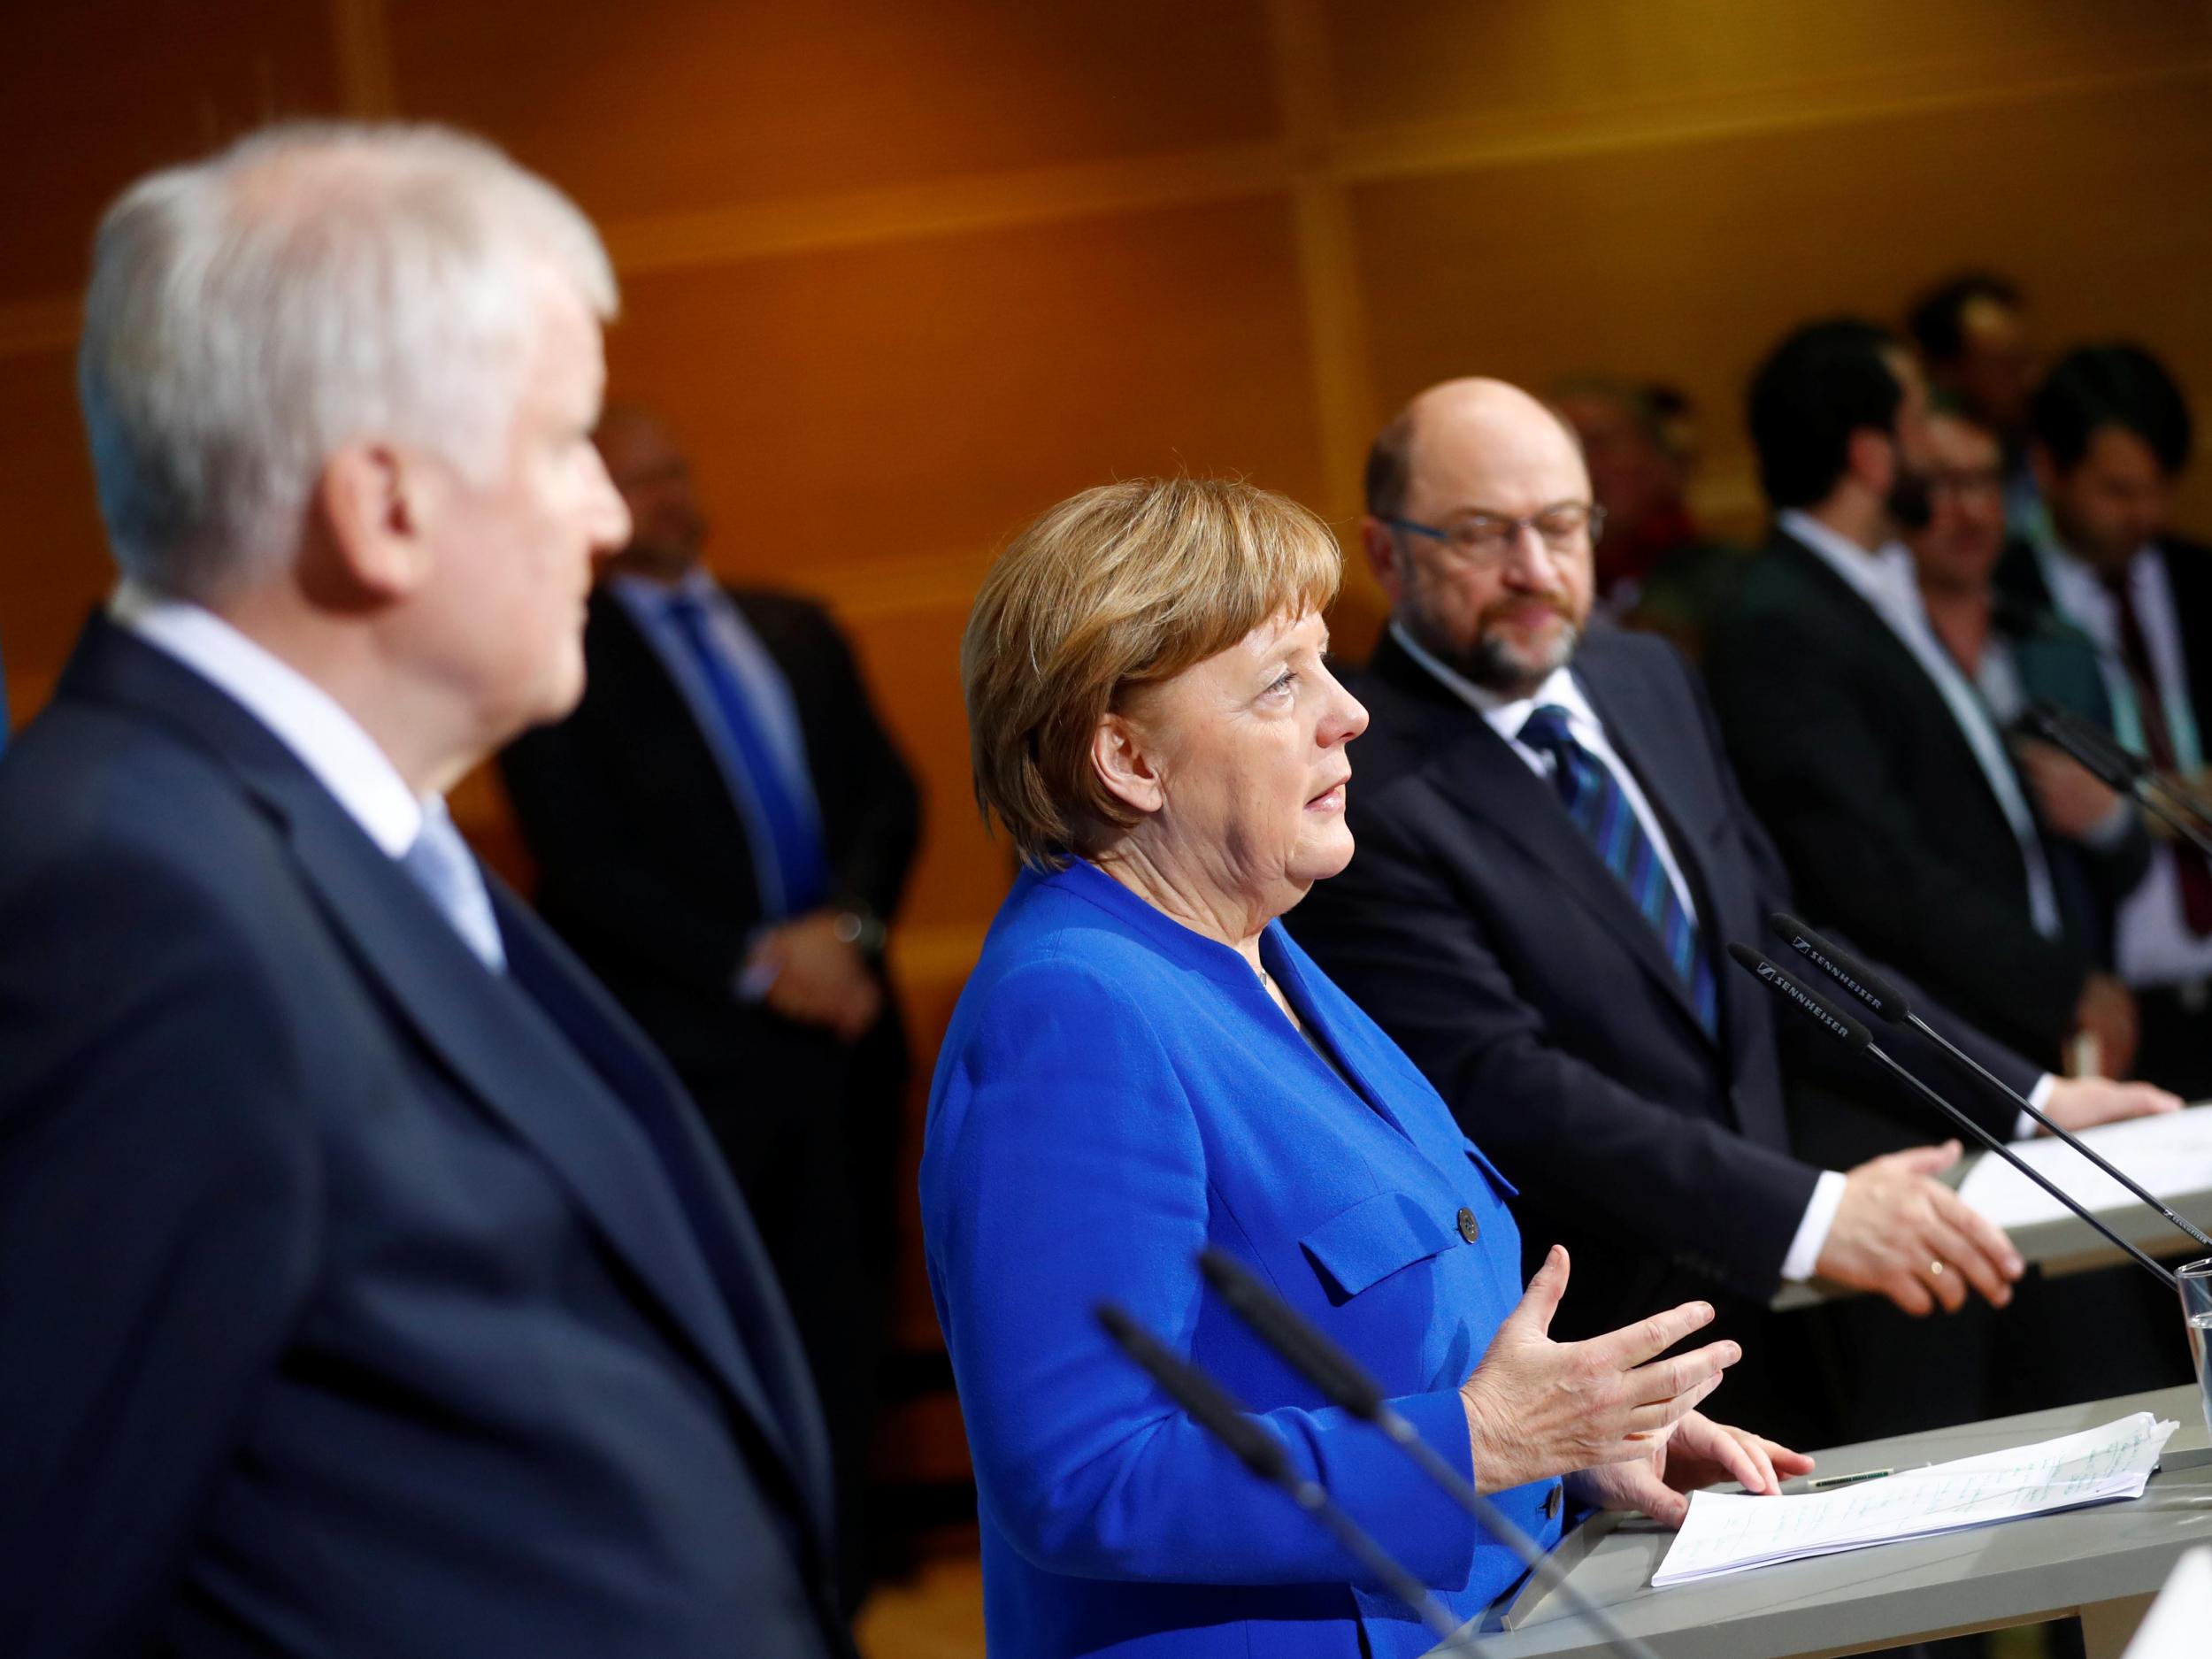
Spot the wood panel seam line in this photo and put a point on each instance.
(1328, 259)
(1382, 155)
(362, 42)
(983, 202)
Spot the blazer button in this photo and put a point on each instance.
(1553, 1502)
(1469, 1229)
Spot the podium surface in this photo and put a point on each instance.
(2104, 1564)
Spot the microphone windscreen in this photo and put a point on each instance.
(1203, 1399)
(1842, 966)
(1786, 985)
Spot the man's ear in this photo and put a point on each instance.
(1870, 459)
(372, 503)
(1385, 557)
(1125, 765)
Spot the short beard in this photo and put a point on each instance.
(1496, 666)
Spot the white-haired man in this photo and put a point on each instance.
(367, 1284)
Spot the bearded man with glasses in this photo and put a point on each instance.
(1553, 853)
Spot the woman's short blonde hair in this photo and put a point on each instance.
(1114, 589)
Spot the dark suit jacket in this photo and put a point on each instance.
(644, 863)
(1481, 929)
(1852, 759)
(355, 1300)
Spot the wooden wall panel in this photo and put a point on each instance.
(98, 91)
(1686, 260)
(1526, 71)
(920, 399)
(871, 423)
(666, 105)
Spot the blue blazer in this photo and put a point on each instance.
(354, 1300)
(1115, 1092)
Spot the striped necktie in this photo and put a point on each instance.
(1600, 809)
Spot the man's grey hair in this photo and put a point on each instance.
(310, 285)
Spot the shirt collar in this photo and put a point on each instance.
(655, 596)
(304, 716)
(1883, 574)
(1505, 715)
(2079, 571)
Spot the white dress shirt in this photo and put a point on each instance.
(2152, 939)
(1506, 717)
(322, 736)
(1886, 581)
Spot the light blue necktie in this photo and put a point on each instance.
(443, 867)
(1600, 809)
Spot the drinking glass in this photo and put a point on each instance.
(2193, 1279)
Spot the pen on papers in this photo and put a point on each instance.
(1829, 1483)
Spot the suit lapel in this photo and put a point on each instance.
(493, 1038)
(1478, 772)
(602, 1036)
(522, 1071)
(1877, 639)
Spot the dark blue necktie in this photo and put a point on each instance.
(787, 850)
(1599, 808)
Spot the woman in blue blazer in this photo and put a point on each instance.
(1143, 1064)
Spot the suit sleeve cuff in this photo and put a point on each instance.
(2038, 1097)
(1812, 1232)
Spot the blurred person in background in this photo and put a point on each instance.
(1656, 570)
(1143, 1064)
(2015, 655)
(2112, 434)
(1552, 857)
(723, 830)
(367, 1283)
(1864, 747)
(1971, 332)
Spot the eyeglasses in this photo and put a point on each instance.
(1489, 538)
(1957, 481)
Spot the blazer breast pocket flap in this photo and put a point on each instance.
(1375, 1238)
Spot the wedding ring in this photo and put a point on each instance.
(1935, 1269)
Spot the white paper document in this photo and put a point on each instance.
(2170, 1154)
(1729, 1532)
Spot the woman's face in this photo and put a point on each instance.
(1241, 768)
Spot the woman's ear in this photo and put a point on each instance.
(1125, 764)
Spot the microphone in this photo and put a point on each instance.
(1342, 1380)
(2116, 768)
(1884, 999)
(1857, 1036)
(1210, 1407)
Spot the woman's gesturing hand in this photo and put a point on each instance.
(1698, 1452)
(1537, 1408)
